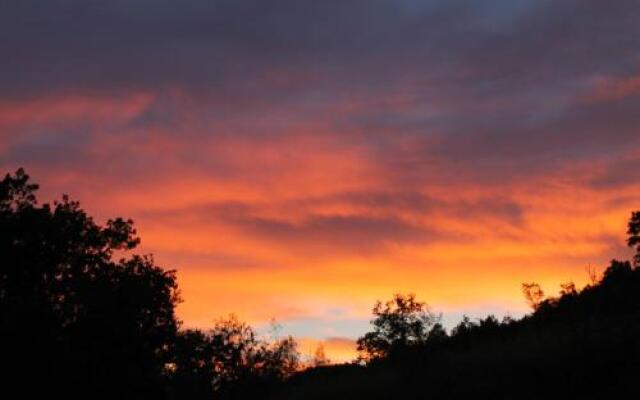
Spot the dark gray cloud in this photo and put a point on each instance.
(376, 221)
(65, 149)
(618, 173)
(489, 90)
(331, 234)
(417, 203)
(227, 44)
(336, 234)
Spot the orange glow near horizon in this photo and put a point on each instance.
(310, 229)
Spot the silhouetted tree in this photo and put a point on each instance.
(230, 361)
(72, 318)
(400, 322)
(634, 235)
(79, 316)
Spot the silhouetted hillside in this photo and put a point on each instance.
(583, 344)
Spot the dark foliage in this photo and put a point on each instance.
(399, 323)
(229, 362)
(582, 344)
(634, 235)
(76, 321)
(72, 319)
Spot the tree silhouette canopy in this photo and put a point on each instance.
(400, 322)
(230, 360)
(81, 316)
(88, 320)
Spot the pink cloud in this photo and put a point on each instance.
(614, 88)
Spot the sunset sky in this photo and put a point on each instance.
(298, 160)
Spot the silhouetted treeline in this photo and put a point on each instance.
(583, 344)
(81, 318)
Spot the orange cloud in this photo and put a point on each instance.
(299, 224)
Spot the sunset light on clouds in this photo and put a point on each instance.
(298, 162)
